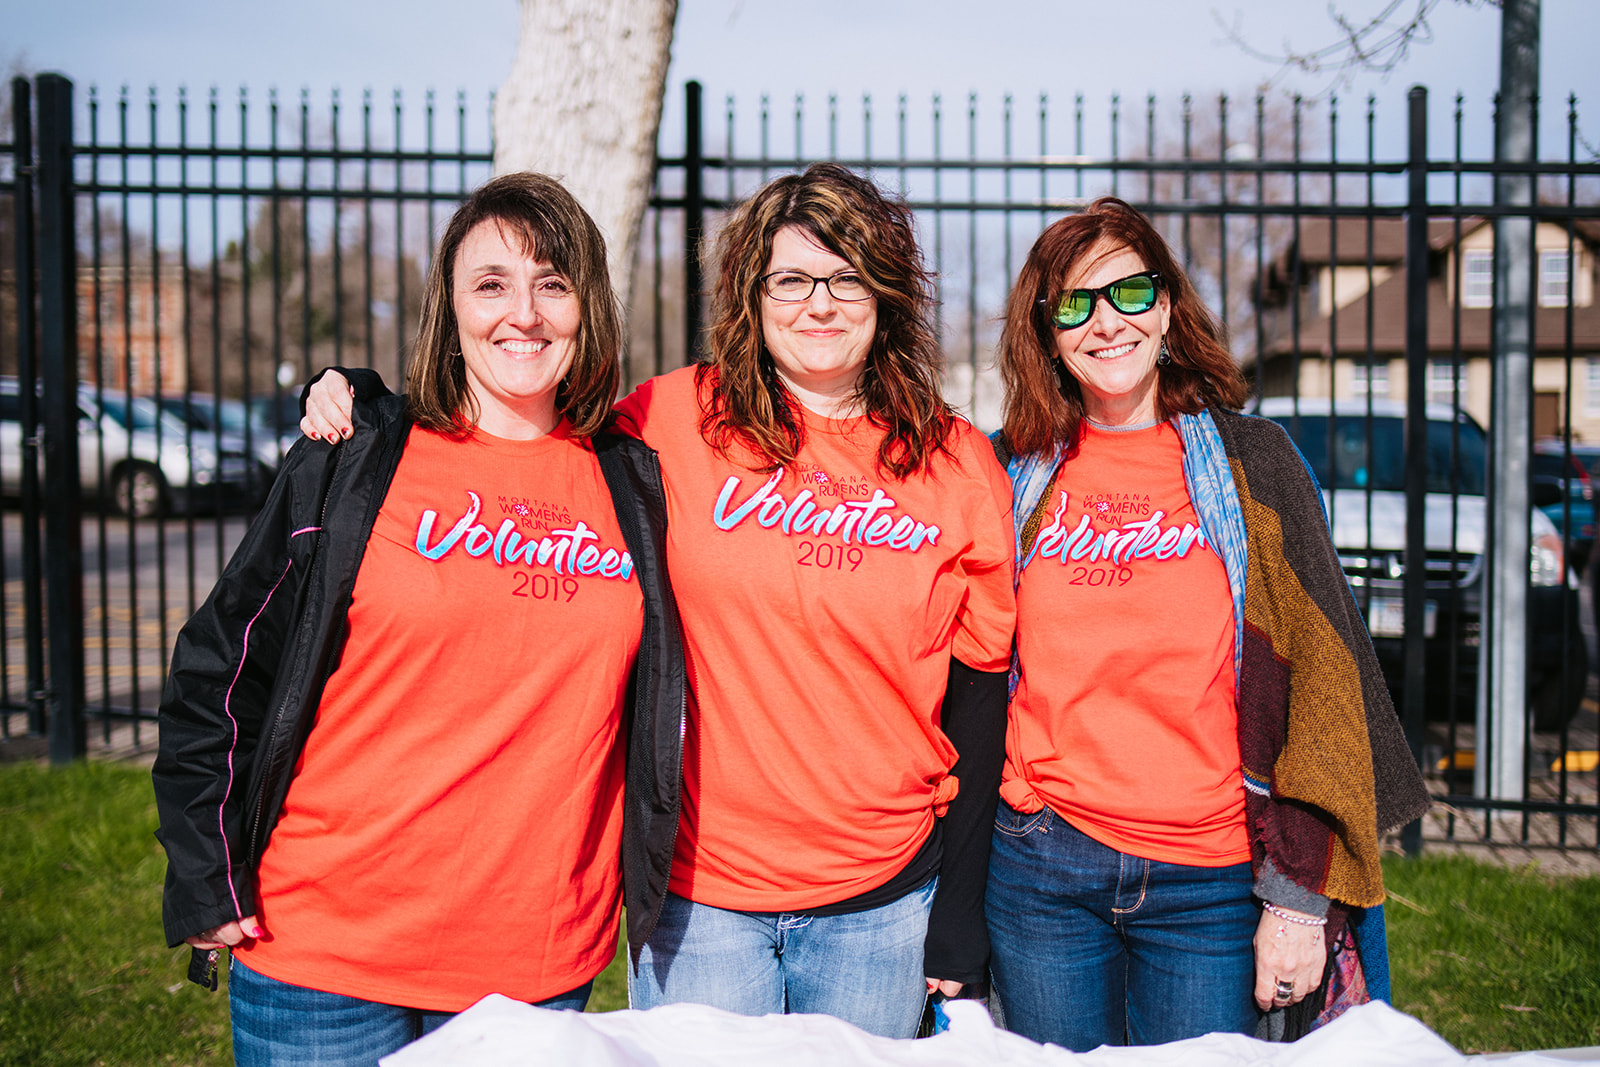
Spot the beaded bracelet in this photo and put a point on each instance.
(1299, 920)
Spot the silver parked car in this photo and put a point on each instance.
(135, 458)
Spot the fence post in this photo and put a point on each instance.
(58, 315)
(694, 218)
(27, 405)
(1414, 712)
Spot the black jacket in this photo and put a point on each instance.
(249, 668)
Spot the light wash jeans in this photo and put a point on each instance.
(1091, 946)
(276, 1024)
(865, 967)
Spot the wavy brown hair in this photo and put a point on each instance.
(899, 389)
(1044, 403)
(548, 224)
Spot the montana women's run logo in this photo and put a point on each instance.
(823, 484)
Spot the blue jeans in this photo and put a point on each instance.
(1091, 946)
(276, 1024)
(864, 967)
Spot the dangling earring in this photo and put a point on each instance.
(1163, 357)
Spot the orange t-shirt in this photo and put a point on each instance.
(1124, 721)
(454, 825)
(821, 605)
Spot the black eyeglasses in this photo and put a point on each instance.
(1132, 295)
(793, 286)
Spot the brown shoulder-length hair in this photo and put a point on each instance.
(899, 389)
(549, 224)
(1044, 403)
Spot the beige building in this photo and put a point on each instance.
(1333, 315)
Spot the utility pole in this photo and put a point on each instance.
(1503, 679)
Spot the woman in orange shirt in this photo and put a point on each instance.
(1201, 754)
(370, 789)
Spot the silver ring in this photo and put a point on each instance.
(1285, 990)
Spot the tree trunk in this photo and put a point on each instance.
(582, 104)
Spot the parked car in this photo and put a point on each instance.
(1562, 489)
(1360, 463)
(1585, 452)
(279, 414)
(133, 457)
(231, 419)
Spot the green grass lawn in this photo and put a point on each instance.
(1495, 959)
(1492, 959)
(88, 978)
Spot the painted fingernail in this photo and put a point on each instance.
(347, 432)
(313, 436)
(255, 930)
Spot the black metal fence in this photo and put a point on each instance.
(221, 249)
(225, 249)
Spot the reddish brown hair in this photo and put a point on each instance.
(899, 389)
(1044, 403)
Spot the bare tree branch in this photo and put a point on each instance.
(1378, 45)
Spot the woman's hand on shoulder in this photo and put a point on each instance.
(1289, 954)
(328, 407)
(227, 935)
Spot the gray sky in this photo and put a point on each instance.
(749, 46)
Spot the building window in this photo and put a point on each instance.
(1447, 380)
(1591, 387)
(1555, 281)
(1374, 377)
(1477, 278)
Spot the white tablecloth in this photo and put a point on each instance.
(499, 1032)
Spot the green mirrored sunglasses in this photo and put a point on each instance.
(1132, 295)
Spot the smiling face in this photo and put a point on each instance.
(518, 319)
(1113, 355)
(818, 345)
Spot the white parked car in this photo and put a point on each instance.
(1360, 463)
(135, 458)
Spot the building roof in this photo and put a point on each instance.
(1450, 329)
(1321, 241)
(1345, 332)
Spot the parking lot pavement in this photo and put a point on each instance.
(1558, 844)
(142, 580)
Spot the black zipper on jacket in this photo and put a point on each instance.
(677, 809)
(683, 718)
(683, 732)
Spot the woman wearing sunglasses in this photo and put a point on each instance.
(1201, 755)
(841, 555)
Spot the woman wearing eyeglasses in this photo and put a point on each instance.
(841, 557)
(1201, 755)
